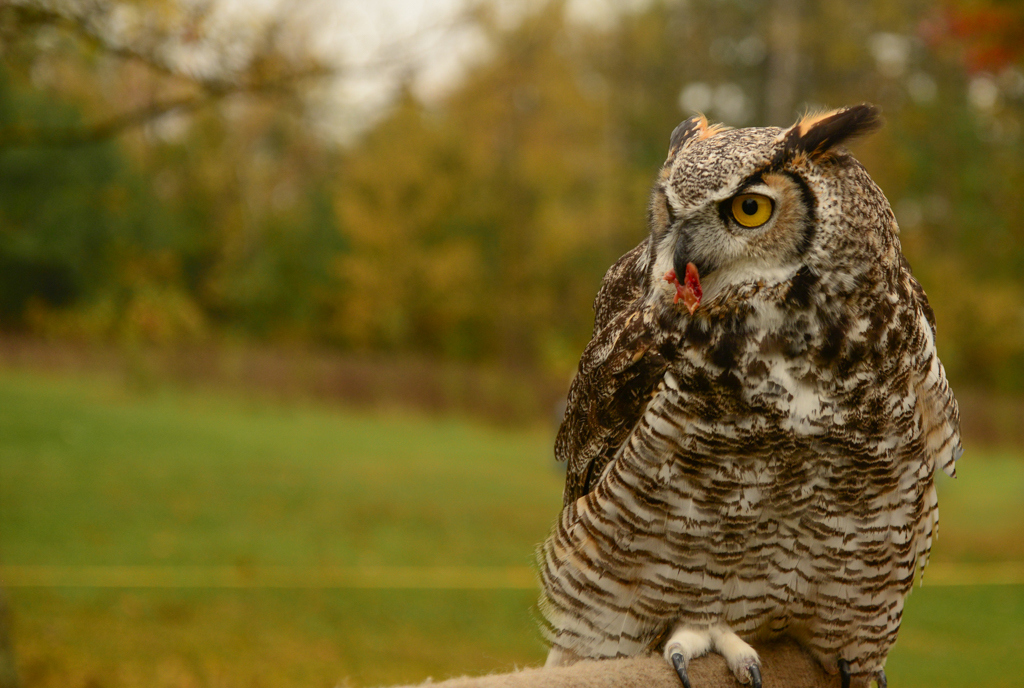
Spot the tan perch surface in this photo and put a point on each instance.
(783, 665)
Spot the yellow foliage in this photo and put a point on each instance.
(980, 323)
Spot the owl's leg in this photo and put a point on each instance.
(741, 658)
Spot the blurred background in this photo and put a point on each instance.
(290, 294)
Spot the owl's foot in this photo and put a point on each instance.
(689, 642)
(685, 643)
(741, 658)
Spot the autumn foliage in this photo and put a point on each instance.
(476, 226)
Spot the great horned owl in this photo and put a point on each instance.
(754, 428)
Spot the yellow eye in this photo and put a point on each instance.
(751, 210)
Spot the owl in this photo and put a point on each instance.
(754, 429)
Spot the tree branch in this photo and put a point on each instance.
(268, 72)
(21, 136)
(87, 26)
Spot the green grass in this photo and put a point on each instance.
(960, 636)
(93, 474)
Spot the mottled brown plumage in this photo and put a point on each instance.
(763, 466)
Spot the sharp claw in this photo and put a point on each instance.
(881, 680)
(680, 664)
(844, 673)
(755, 677)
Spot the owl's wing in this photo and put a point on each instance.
(618, 370)
(940, 417)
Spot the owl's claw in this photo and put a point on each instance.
(844, 673)
(881, 680)
(679, 662)
(686, 643)
(689, 642)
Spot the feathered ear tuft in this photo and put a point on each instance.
(696, 127)
(817, 133)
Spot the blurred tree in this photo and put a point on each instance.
(481, 227)
(476, 226)
(123, 246)
(950, 160)
(72, 221)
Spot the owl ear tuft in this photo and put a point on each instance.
(696, 127)
(817, 133)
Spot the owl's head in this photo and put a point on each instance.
(753, 208)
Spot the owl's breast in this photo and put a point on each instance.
(823, 406)
(801, 375)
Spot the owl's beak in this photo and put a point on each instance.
(689, 292)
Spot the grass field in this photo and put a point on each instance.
(94, 475)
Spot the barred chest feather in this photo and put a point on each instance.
(777, 482)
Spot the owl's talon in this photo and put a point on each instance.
(880, 679)
(741, 658)
(686, 643)
(844, 673)
(679, 662)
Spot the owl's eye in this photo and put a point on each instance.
(751, 210)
